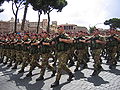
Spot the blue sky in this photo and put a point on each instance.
(81, 12)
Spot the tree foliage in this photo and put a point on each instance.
(1, 2)
(46, 6)
(91, 29)
(114, 23)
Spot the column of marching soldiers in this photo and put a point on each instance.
(65, 49)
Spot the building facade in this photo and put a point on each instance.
(73, 28)
(31, 27)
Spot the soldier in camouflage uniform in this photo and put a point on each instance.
(3, 48)
(71, 54)
(112, 43)
(7, 50)
(81, 49)
(34, 54)
(118, 46)
(12, 51)
(45, 50)
(18, 49)
(26, 55)
(62, 46)
(97, 43)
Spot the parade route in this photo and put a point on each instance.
(107, 79)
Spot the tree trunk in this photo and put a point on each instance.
(48, 27)
(24, 16)
(39, 14)
(15, 24)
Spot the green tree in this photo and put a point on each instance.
(114, 23)
(91, 29)
(48, 6)
(1, 2)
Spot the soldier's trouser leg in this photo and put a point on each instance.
(113, 61)
(12, 57)
(81, 60)
(34, 63)
(62, 57)
(45, 64)
(7, 54)
(18, 59)
(25, 61)
(97, 62)
(71, 61)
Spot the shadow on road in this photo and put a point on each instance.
(79, 75)
(96, 80)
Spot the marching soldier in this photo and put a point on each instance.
(25, 48)
(112, 43)
(19, 54)
(12, 51)
(45, 49)
(81, 49)
(34, 54)
(62, 46)
(97, 43)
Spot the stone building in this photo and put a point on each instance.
(73, 28)
(31, 27)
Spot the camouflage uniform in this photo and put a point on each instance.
(19, 54)
(96, 51)
(26, 55)
(34, 57)
(12, 52)
(112, 44)
(63, 49)
(81, 49)
(45, 54)
(6, 51)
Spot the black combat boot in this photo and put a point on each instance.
(4, 63)
(53, 73)
(21, 71)
(9, 65)
(112, 66)
(15, 67)
(29, 74)
(1, 60)
(71, 63)
(84, 66)
(56, 83)
(96, 72)
(70, 77)
(40, 78)
(76, 69)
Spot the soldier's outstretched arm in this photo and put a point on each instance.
(66, 40)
